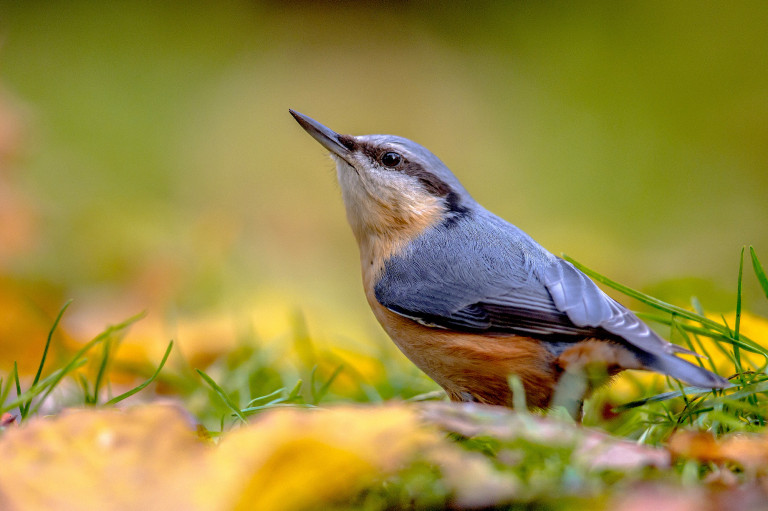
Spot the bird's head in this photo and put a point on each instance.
(391, 186)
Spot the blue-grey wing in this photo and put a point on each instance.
(480, 277)
(491, 277)
(588, 306)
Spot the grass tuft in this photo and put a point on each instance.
(223, 395)
(30, 400)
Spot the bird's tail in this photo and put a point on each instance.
(683, 370)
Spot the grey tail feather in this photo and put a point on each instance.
(674, 348)
(683, 370)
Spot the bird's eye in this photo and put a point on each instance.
(391, 159)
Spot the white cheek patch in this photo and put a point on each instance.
(376, 196)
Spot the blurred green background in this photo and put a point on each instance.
(148, 161)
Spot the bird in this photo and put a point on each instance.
(470, 298)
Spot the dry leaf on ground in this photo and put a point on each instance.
(750, 450)
(141, 458)
(593, 449)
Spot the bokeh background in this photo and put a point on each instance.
(148, 161)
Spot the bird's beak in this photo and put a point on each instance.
(326, 136)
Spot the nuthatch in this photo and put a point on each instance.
(470, 298)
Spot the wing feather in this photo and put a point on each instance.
(587, 305)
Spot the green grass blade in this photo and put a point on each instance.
(736, 405)
(292, 399)
(664, 396)
(38, 389)
(737, 325)
(282, 404)
(320, 394)
(5, 388)
(22, 408)
(703, 350)
(141, 387)
(268, 404)
(109, 334)
(48, 342)
(738, 296)
(296, 390)
(749, 390)
(759, 271)
(45, 351)
(223, 395)
(265, 397)
(734, 356)
(106, 334)
(76, 362)
(696, 304)
(83, 381)
(102, 371)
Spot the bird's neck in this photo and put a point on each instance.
(383, 229)
(375, 250)
(378, 245)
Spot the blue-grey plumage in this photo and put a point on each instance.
(482, 274)
(432, 254)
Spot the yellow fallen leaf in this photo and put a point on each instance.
(301, 459)
(141, 458)
(150, 457)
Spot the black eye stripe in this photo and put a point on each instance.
(432, 183)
